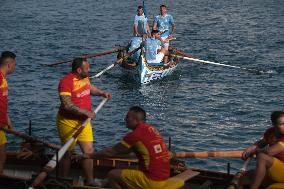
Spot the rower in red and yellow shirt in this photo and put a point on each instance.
(150, 149)
(270, 155)
(75, 91)
(7, 66)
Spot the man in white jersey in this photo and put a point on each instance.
(165, 24)
(155, 53)
(140, 26)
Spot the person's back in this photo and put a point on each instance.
(134, 44)
(141, 23)
(151, 151)
(151, 49)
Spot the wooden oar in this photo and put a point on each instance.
(88, 56)
(188, 57)
(235, 181)
(119, 61)
(30, 138)
(227, 154)
(57, 157)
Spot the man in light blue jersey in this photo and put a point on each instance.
(155, 53)
(140, 26)
(165, 24)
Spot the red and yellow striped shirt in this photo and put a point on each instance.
(3, 101)
(151, 151)
(79, 91)
(271, 138)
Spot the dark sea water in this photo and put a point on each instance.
(201, 107)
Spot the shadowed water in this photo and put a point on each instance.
(201, 107)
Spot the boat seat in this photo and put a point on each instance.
(156, 64)
(276, 186)
(179, 180)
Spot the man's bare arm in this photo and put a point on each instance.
(173, 29)
(98, 92)
(272, 150)
(71, 107)
(135, 29)
(10, 125)
(118, 149)
(154, 25)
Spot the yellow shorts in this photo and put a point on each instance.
(135, 179)
(3, 139)
(67, 128)
(276, 172)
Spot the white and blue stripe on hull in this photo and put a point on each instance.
(143, 73)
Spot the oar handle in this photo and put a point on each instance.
(88, 56)
(30, 138)
(206, 154)
(234, 183)
(119, 61)
(181, 53)
(96, 111)
(245, 165)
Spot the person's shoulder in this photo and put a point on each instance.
(268, 132)
(67, 78)
(157, 17)
(145, 126)
(170, 17)
(1, 79)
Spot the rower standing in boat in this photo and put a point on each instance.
(165, 24)
(270, 155)
(149, 146)
(140, 26)
(75, 91)
(7, 66)
(155, 53)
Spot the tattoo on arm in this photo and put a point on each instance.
(69, 106)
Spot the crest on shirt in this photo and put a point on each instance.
(158, 148)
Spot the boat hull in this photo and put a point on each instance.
(19, 172)
(144, 73)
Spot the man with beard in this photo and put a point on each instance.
(75, 91)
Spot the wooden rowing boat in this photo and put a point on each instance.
(19, 172)
(142, 72)
(22, 167)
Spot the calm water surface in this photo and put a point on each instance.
(201, 107)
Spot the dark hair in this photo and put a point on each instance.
(140, 113)
(275, 116)
(163, 6)
(154, 32)
(140, 7)
(6, 55)
(77, 63)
